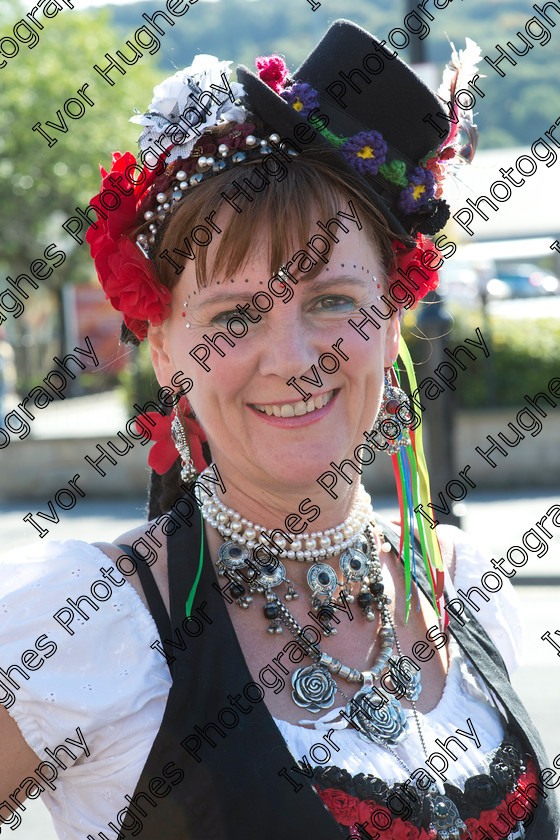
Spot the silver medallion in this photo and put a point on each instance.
(446, 821)
(231, 555)
(353, 564)
(272, 574)
(322, 579)
(313, 688)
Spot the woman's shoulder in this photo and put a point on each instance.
(79, 639)
(63, 583)
(44, 565)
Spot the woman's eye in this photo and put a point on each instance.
(223, 317)
(334, 303)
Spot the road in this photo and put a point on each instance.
(497, 520)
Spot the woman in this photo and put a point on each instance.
(264, 245)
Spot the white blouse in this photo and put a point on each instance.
(101, 692)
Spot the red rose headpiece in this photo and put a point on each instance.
(126, 275)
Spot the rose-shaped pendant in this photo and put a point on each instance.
(379, 718)
(313, 688)
(403, 679)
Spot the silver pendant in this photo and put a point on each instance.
(378, 717)
(232, 556)
(446, 821)
(322, 579)
(403, 679)
(313, 688)
(354, 564)
(272, 575)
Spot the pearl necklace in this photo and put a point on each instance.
(307, 548)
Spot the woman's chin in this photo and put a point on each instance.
(300, 469)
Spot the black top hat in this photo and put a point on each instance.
(361, 87)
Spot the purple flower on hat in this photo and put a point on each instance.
(366, 152)
(302, 97)
(421, 186)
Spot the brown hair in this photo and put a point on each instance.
(288, 206)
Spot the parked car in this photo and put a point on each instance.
(522, 281)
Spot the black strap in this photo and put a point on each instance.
(152, 593)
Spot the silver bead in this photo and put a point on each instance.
(195, 179)
(274, 138)
(223, 149)
(166, 206)
(181, 175)
(177, 195)
(210, 161)
(148, 215)
(184, 185)
(251, 140)
(202, 163)
(153, 228)
(238, 157)
(265, 150)
(219, 166)
(161, 197)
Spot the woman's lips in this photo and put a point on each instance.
(288, 418)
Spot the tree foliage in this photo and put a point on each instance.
(41, 186)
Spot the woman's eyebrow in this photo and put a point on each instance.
(319, 282)
(315, 283)
(225, 297)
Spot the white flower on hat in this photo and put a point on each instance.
(178, 113)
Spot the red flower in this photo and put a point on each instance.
(422, 275)
(273, 71)
(127, 277)
(343, 807)
(163, 453)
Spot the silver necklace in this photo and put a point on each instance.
(379, 718)
(307, 548)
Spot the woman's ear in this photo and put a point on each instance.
(392, 341)
(161, 360)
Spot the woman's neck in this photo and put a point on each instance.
(292, 510)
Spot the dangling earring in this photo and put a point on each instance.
(390, 429)
(180, 437)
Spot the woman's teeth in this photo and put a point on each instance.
(295, 409)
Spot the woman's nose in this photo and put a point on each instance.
(287, 349)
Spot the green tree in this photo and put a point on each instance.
(40, 185)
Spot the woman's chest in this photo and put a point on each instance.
(274, 659)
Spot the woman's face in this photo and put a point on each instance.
(256, 423)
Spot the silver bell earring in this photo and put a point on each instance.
(181, 440)
(391, 427)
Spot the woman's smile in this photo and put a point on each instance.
(291, 415)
